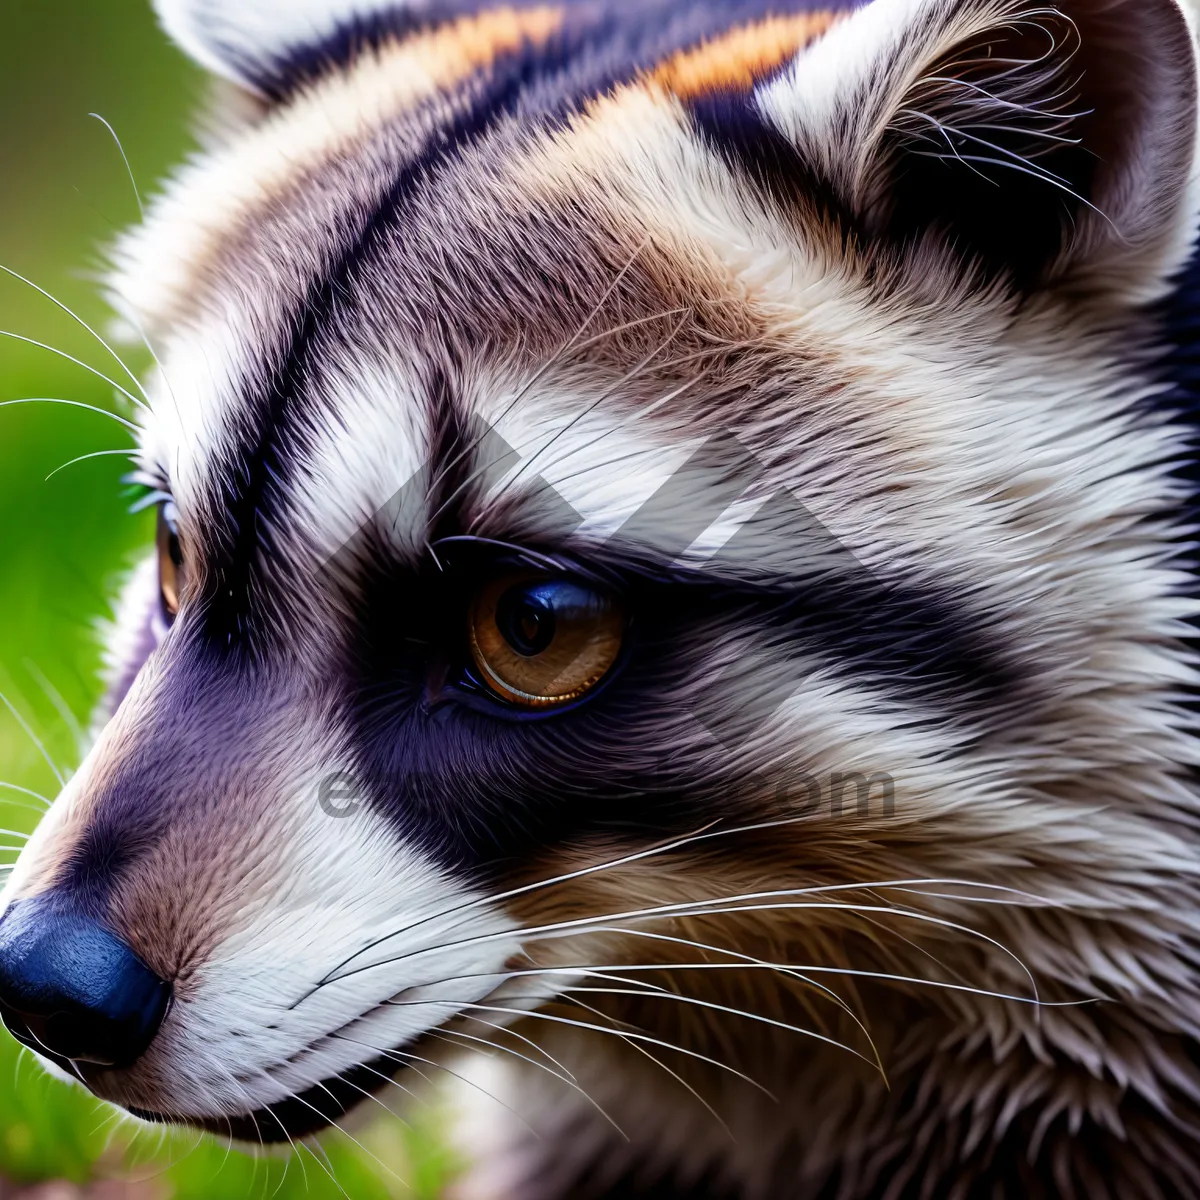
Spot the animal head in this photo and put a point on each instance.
(637, 484)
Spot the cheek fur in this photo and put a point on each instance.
(344, 922)
(391, 258)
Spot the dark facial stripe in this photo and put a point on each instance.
(480, 788)
(611, 40)
(264, 467)
(596, 50)
(733, 128)
(623, 41)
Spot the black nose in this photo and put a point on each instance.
(71, 990)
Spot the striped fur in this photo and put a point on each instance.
(841, 340)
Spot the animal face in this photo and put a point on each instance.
(633, 484)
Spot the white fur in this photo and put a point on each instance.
(337, 885)
(843, 94)
(241, 38)
(349, 488)
(947, 436)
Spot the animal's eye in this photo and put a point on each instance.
(541, 641)
(170, 560)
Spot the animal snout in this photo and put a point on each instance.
(74, 992)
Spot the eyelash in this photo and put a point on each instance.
(145, 489)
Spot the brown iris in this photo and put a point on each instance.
(170, 561)
(540, 641)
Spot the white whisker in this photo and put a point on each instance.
(55, 697)
(528, 1041)
(20, 337)
(127, 453)
(628, 377)
(24, 791)
(704, 834)
(571, 344)
(125, 159)
(33, 737)
(570, 1082)
(541, 1016)
(658, 1063)
(407, 1058)
(723, 905)
(104, 412)
(79, 321)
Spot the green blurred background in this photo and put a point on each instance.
(64, 194)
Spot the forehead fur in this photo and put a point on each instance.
(195, 224)
(422, 299)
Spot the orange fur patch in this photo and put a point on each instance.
(476, 41)
(736, 60)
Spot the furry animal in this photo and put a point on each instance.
(675, 562)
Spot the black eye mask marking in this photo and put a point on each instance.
(478, 780)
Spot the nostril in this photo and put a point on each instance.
(72, 990)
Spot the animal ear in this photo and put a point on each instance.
(1049, 140)
(265, 45)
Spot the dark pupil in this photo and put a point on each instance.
(526, 620)
(175, 551)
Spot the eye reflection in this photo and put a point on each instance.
(539, 641)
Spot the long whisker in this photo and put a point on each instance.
(604, 973)
(644, 411)
(55, 697)
(128, 453)
(637, 1036)
(631, 1038)
(391, 1112)
(104, 412)
(322, 1160)
(667, 994)
(485, 467)
(591, 466)
(132, 318)
(391, 1082)
(704, 834)
(251, 1104)
(658, 1062)
(407, 1058)
(798, 971)
(20, 337)
(747, 960)
(24, 791)
(528, 1041)
(596, 339)
(571, 1083)
(628, 377)
(329, 977)
(853, 909)
(716, 906)
(79, 321)
(362, 1149)
(125, 159)
(33, 737)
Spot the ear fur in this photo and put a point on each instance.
(1051, 140)
(259, 44)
